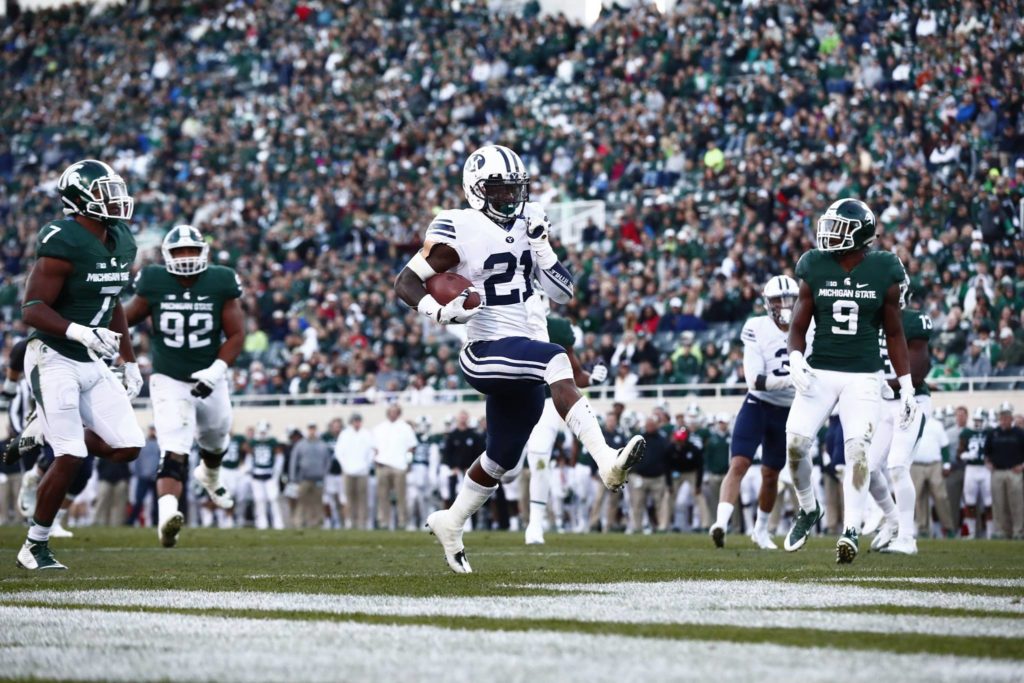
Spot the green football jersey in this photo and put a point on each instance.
(975, 440)
(233, 455)
(848, 308)
(716, 453)
(99, 273)
(560, 332)
(187, 333)
(263, 452)
(916, 325)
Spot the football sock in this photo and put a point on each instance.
(762, 520)
(205, 517)
(583, 423)
(62, 515)
(39, 533)
(538, 511)
(723, 515)
(802, 483)
(471, 498)
(881, 495)
(856, 484)
(906, 498)
(167, 506)
(540, 486)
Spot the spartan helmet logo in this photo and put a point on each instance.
(70, 177)
(846, 282)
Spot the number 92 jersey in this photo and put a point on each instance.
(848, 308)
(186, 328)
(498, 262)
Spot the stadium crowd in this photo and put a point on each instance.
(311, 143)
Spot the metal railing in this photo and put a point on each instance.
(654, 391)
(569, 219)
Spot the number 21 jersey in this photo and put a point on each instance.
(498, 262)
(848, 308)
(186, 321)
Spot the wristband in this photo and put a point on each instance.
(761, 383)
(429, 307)
(10, 387)
(419, 265)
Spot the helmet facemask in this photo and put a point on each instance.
(781, 308)
(503, 198)
(191, 264)
(835, 233)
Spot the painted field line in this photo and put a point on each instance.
(142, 647)
(754, 604)
(929, 580)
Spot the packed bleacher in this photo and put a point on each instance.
(312, 143)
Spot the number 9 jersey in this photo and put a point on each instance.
(848, 308)
(498, 262)
(186, 321)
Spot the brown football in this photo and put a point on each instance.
(446, 286)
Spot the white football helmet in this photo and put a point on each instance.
(979, 418)
(497, 183)
(262, 428)
(780, 294)
(422, 425)
(179, 237)
(694, 416)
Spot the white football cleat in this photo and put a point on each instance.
(885, 535)
(901, 546)
(218, 494)
(763, 540)
(534, 534)
(614, 477)
(57, 530)
(450, 536)
(169, 529)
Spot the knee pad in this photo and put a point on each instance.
(172, 466)
(857, 460)
(493, 469)
(558, 368)
(216, 456)
(797, 447)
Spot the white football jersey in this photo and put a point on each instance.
(765, 353)
(498, 262)
(537, 310)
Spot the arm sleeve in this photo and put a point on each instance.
(753, 361)
(557, 283)
(443, 230)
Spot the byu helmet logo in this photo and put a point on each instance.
(479, 161)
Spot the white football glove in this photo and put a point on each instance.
(538, 227)
(452, 313)
(207, 379)
(98, 341)
(801, 372)
(132, 380)
(908, 406)
(599, 374)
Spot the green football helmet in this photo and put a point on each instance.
(847, 225)
(93, 189)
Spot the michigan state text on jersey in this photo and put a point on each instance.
(197, 332)
(850, 293)
(72, 302)
(500, 244)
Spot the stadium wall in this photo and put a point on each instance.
(282, 417)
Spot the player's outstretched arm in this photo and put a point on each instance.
(554, 278)
(42, 289)
(410, 285)
(136, 310)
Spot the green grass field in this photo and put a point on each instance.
(252, 606)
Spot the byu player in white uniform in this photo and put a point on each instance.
(500, 245)
(761, 422)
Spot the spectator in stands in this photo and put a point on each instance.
(977, 363)
(1011, 350)
(625, 384)
(393, 443)
(307, 469)
(354, 452)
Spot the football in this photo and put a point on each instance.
(446, 286)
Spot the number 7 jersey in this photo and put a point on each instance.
(186, 321)
(498, 262)
(848, 308)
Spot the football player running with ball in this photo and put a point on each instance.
(72, 302)
(197, 332)
(850, 293)
(500, 245)
(761, 420)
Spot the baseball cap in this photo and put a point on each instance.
(675, 302)
(1006, 333)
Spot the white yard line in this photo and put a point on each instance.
(929, 580)
(732, 603)
(143, 647)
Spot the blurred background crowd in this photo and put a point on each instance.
(312, 142)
